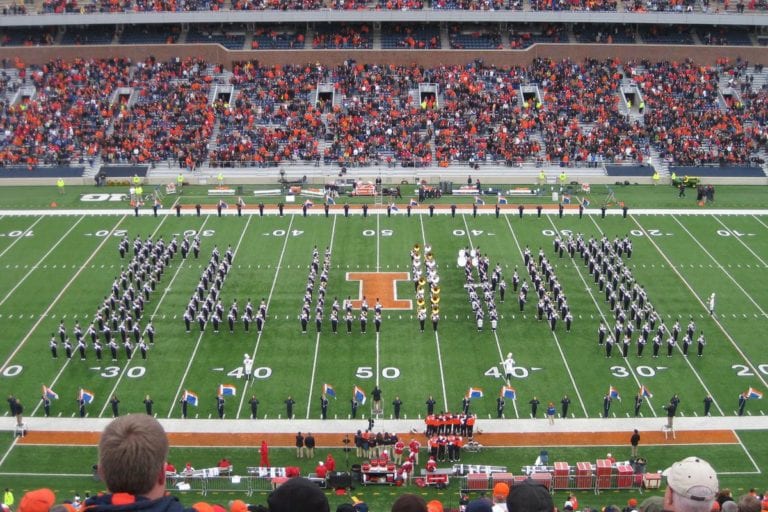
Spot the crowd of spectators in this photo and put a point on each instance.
(569, 114)
(358, 36)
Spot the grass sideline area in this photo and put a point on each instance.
(61, 267)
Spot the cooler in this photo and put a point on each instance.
(604, 470)
(544, 479)
(583, 475)
(624, 480)
(562, 475)
(507, 478)
(652, 481)
(477, 482)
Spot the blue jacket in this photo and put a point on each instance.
(123, 502)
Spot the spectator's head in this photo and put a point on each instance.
(409, 503)
(480, 505)
(298, 495)
(529, 496)
(40, 500)
(749, 503)
(132, 454)
(691, 486)
(730, 506)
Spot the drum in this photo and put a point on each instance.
(474, 261)
(461, 260)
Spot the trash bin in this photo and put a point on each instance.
(357, 473)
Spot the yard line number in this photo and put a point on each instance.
(262, 372)
(383, 232)
(633, 232)
(518, 372)
(743, 370)
(17, 234)
(366, 372)
(134, 372)
(643, 371)
(281, 232)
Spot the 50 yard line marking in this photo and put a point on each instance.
(200, 337)
(495, 335)
(600, 312)
(20, 236)
(34, 267)
(437, 337)
(557, 341)
(157, 307)
(317, 337)
(269, 300)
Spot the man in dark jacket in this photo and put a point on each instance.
(133, 450)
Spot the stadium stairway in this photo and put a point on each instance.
(753, 422)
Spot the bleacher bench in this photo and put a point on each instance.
(221, 191)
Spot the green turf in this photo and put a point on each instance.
(65, 265)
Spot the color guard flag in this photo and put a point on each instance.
(329, 200)
(479, 200)
(86, 396)
(645, 392)
(566, 199)
(614, 393)
(753, 393)
(190, 397)
(227, 390)
(328, 390)
(475, 393)
(413, 203)
(585, 203)
(502, 200)
(359, 395)
(48, 392)
(308, 203)
(508, 392)
(393, 207)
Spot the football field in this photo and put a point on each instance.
(60, 268)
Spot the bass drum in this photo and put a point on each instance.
(461, 260)
(475, 261)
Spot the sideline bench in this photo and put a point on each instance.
(268, 192)
(221, 192)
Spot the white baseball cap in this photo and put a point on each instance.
(693, 478)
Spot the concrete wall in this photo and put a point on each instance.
(219, 55)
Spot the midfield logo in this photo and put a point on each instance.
(381, 285)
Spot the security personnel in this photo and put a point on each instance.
(179, 182)
(289, 403)
(220, 406)
(254, 403)
(148, 404)
(60, 186)
(534, 406)
(396, 404)
(114, 402)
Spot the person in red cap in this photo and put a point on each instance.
(320, 470)
(330, 463)
(40, 500)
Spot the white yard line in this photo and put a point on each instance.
(721, 267)
(760, 221)
(44, 315)
(269, 301)
(607, 323)
(685, 282)
(741, 241)
(36, 265)
(157, 307)
(495, 334)
(200, 337)
(23, 234)
(317, 339)
(554, 335)
(437, 337)
(749, 455)
(378, 244)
